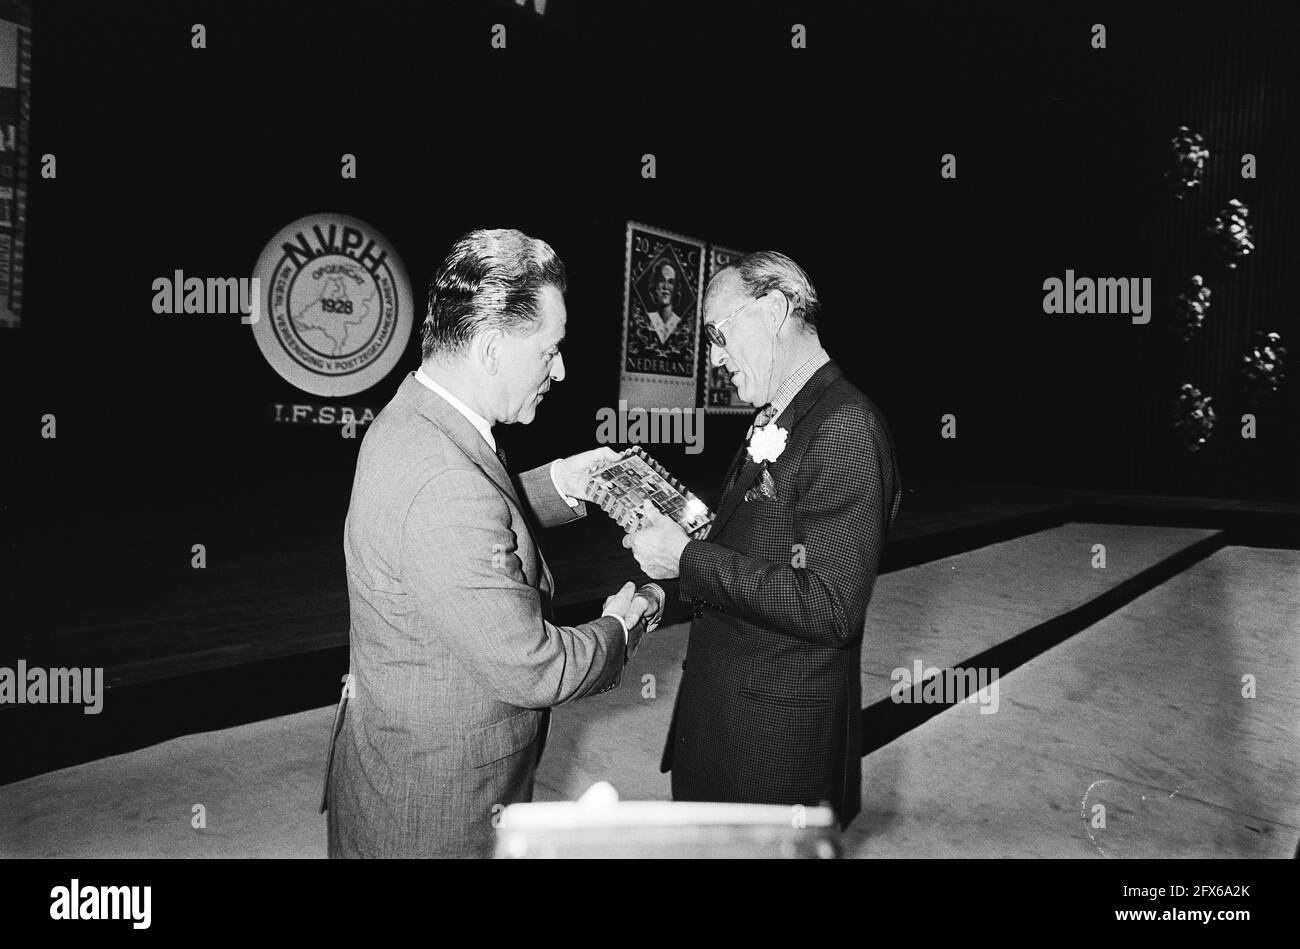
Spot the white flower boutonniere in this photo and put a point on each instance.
(767, 443)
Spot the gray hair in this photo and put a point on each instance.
(766, 270)
(491, 278)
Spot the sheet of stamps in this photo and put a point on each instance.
(623, 486)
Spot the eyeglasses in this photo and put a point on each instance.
(712, 331)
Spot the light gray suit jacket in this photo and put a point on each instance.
(454, 661)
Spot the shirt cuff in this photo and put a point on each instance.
(572, 502)
(654, 590)
(620, 623)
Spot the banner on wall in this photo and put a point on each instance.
(336, 305)
(15, 123)
(720, 396)
(663, 282)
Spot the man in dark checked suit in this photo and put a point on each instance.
(769, 707)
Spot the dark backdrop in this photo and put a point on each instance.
(173, 158)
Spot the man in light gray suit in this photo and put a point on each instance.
(454, 662)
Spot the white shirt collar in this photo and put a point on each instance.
(478, 421)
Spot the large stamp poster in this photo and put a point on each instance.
(720, 395)
(663, 282)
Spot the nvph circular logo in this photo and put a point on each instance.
(335, 305)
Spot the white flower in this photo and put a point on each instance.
(767, 443)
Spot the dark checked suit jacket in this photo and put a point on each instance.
(769, 708)
(455, 661)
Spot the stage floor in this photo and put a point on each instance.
(1140, 712)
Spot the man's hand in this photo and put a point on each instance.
(639, 608)
(573, 474)
(657, 544)
(653, 594)
(627, 604)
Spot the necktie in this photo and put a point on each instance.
(765, 415)
(762, 418)
(501, 454)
